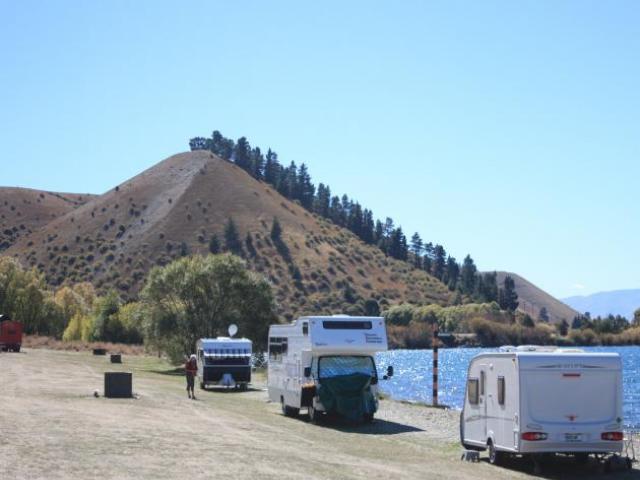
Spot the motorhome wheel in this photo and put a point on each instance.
(495, 457)
(288, 411)
(314, 415)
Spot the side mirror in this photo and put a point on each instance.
(307, 372)
(389, 373)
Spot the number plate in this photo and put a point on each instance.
(573, 437)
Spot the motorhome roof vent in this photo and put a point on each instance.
(535, 348)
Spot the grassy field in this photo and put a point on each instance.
(52, 426)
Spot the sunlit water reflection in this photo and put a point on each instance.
(413, 374)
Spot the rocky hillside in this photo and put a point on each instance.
(175, 207)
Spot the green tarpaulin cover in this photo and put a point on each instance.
(348, 395)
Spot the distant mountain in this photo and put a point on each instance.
(616, 302)
(533, 298)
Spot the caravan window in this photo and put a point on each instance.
(472, 391)
(346, 325)
(501, 390)
(482, 382)
(305, 328)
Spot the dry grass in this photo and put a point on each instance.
(56, 429)
(49, 343)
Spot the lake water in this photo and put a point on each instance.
(412, 378)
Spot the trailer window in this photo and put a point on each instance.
(482, 382)
(501, 390)
(346, 325)
(305, 328)
(472, 391)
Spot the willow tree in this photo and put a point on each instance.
(199, 296)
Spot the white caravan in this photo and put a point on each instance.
(224, 361)
(530, 400)
(312, 351)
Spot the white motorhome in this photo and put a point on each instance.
(531, 400)
(328, 357)
(224, 361)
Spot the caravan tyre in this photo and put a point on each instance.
(495, 457)
(581, 458)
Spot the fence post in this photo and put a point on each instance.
(435, 365)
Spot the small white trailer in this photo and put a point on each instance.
(224, 361)
(535, 400)
(326, 364)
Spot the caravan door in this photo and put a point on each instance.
(475, 410)
(483, 399)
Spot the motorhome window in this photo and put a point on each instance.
(305, 328)
(277, 347)
(501, 390)
(346, 325)
(345, 365)
(472, 391)
(482, 381)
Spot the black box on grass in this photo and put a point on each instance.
(118, 385)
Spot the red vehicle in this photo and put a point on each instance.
(10, 334)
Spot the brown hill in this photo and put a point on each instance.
(23, 210)
(532, 299)
(176, 206)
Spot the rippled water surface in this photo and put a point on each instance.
(412, 376)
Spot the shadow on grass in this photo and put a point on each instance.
(175, 372)
(377, 427)
(225, 390)
(561, 467)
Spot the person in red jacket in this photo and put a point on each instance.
(191, 368)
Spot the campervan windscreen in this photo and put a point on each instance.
(335, 366)
(576, 397)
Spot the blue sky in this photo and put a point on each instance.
(508, 130)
